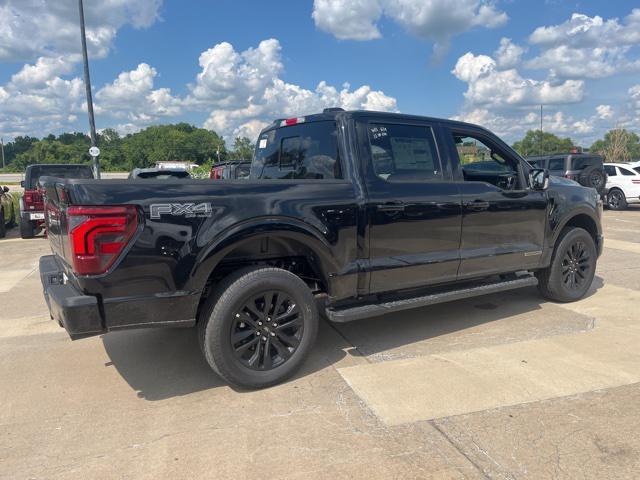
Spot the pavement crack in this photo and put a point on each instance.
(442, 432)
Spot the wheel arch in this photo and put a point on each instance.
(263, 241)
(581, 220)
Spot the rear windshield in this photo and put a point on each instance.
(163, 175)
(304, 151)
(243, 171)
(60, 171)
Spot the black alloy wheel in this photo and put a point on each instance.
(576, 265)
(258, 326)
(573, 266)
(616, 200)
(266, 330)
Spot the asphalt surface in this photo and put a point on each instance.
(506, 386)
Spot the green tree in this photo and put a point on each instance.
(243, 149)
(180, 141)
(618, 145)
(536, 142)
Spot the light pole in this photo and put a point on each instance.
(541, 129)
(94, 151)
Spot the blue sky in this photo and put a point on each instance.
(266, 59)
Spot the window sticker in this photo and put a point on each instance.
(378, 132)
(263, 143)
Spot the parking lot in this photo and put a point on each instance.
(503, 386)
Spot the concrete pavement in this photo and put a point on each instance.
(504, 386)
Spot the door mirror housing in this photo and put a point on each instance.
(5, 189)
(539, 178)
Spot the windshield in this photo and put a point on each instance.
(60, 171)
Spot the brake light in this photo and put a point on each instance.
(291, 121)
(98, 235)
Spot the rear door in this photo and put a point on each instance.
(503, 221)
(413, 208)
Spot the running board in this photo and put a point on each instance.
(375, 310)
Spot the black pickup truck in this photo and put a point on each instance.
(346, 214)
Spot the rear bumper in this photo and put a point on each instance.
(28, 217)
(79, 314)
(84, 316)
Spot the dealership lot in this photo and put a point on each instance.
(504, 386)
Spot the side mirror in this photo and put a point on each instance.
(5, 189)
(22, 183)
(539, 179)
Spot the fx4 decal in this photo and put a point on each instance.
(188, 210)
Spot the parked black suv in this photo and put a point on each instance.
(586, 169)
(373, 212)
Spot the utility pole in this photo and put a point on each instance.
(94, 151)
(2, 147)
(541, 129)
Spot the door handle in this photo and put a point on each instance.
(391, 207)
(477, 205)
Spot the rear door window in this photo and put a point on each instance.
(307, 151)
(610, 170)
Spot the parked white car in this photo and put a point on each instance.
(623, 184)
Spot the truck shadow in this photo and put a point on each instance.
(165, 363)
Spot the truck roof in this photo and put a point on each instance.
(332, 113)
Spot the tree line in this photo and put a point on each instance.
(618, 145)
(174, 142)
(185, 142)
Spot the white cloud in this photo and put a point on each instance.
(243, 90)
(348, 19)
(604, 112)
(34, 28)
(634, 93)
(490, 86)
(38, 99)
(132, 96)
(434, 20)
(508, 54)
(512, 125)
(588, 47)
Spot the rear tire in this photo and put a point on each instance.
(616, 199)
(3, 227)
(26, 229)
(573, 266)
(258, 326)
(12, 220)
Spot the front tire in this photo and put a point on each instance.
(573, 266)
(258, 327)
(616, 199)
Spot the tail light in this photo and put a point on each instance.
(98, 235)
(32, 200)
